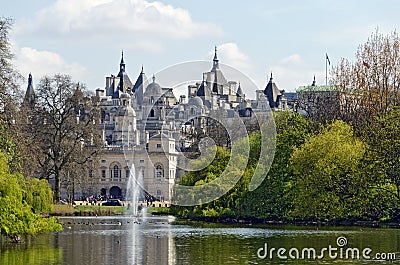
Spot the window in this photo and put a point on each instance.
(128, 173)
(159, 172)
(158, 145)
(103, 175)
(116, 172)
(141, 161)
(152, 113)
(103, 161)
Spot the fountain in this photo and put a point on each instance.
(133, 191)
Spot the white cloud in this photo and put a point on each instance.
(230, 54)
(292, 59)
(108, 18)
(41, 63)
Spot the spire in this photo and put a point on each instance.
(313, 83)
(30, 80)
(122, 57)
(122, 64)
(215, 60)
(142, 70)
(270, 80)
(154, 78)
(121, 72)
(30, 98)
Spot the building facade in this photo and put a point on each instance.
(144, 126)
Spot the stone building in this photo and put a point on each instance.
(135, 143)
(144, 127)
(319, 103)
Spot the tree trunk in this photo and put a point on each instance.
(57, 185)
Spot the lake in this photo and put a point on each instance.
(154, 240)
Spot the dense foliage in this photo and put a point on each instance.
(272, 198)
(319, 173)
(16, 214)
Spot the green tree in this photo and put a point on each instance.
(273, 198)
(16, 216)
(383, 135)
(39, 195)
(329, 182)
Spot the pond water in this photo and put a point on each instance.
(119, 240)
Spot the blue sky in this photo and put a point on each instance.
(84, 38)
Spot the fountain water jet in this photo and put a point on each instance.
(133, 191)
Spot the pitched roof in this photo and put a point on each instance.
(239, 91)
(272, 92)
(141, 82)
(203, 90)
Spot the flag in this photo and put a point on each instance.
(366, 64)
(327, 58)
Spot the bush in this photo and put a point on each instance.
(16, 215)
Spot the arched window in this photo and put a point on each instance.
(159, 171)
(116, 171)
(152, 113)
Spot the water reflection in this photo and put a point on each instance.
(117, 240)
(36, 251)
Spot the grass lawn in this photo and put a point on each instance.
(87, 210)
(93, 210)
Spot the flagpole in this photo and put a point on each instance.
(326, 69)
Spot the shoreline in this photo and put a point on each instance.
(69, 211)
(255, 222)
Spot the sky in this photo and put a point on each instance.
(290, 39)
